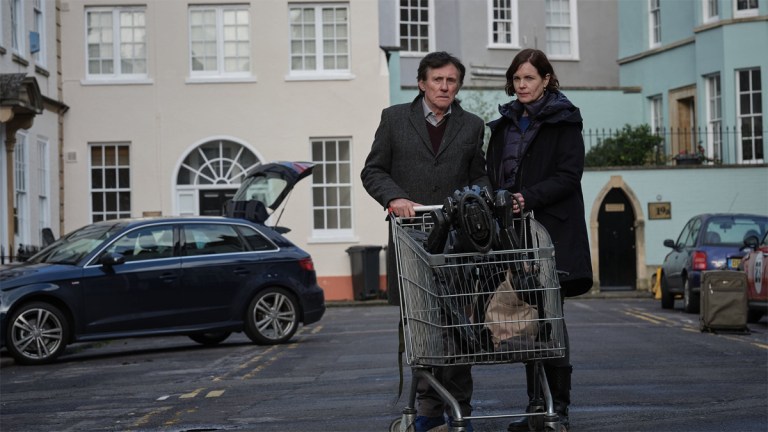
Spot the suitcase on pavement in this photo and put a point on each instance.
(723, 301)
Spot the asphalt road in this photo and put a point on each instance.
(637, 368)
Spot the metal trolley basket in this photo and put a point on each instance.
(477, 309)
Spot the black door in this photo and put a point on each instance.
(212, 201)
(616, 221)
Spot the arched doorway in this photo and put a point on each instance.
(630, 221)
(210, 174)
(618, 254)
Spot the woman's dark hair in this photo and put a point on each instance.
(538, 60)
(435, 60)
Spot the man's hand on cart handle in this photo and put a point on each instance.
(402, 207)
(416, 209)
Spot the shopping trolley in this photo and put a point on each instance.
(477, 309)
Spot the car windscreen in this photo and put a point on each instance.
(733, 230)
(73, 247)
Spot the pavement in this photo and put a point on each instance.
(6, 360)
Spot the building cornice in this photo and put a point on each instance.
(652, 52)
(692, 39)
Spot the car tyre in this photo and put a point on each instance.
(754, 316)
(667, 298)
(37, 333)
(210, 338)
(690, 300)
(272, 317)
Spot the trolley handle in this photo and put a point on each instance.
(420, 210)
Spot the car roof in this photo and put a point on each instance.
(709, 215)
(139, 221)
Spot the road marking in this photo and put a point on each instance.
(145, 418)
(644, 318)
(215, 393)
(191, 394)
(177, 417)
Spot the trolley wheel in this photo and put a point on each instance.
(397, 426)
(536, 422)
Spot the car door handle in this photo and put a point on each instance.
(242, 271)
(168, 277)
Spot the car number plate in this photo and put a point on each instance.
(733, 263)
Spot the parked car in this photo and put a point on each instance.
(755, 265)
(707, 242)
(203, 277)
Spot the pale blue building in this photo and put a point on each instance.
(691, 69)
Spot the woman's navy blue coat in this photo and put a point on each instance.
(549, 177)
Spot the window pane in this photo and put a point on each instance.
(255, 240)
(97, 180)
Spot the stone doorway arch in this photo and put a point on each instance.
(640, 270)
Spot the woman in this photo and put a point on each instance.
(536, 151)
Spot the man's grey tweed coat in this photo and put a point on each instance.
(402, 164)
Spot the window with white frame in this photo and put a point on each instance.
(39, 23)
(711, 10)
(745, 8)
(20, 179)
(43, 178)
(331, 187)
(116, 40)
(562, 39)
(17, 26)
(503, 24)
(750, 114)
(110, 181)
(415, 26)
(220, 41)
(319, 39)
(654, 21)
(714, 117)
(657, 115)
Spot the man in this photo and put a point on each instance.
(422, 152)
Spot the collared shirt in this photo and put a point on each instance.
(430, 116)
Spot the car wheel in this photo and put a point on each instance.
(754, 316)
(667, 298)
(272, 317)
(690, 300)
(210, 338)
(37, 333)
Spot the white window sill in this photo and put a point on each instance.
(220, 80)
(412, 54)
(321, 77)
(568, 58)
(327, 240)
(504, 47)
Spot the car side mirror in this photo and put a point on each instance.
(670, 243)
(112, 259)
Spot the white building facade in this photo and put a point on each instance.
(31, 110)
(172, 102)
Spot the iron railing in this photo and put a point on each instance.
(22, 253)
(715, 145)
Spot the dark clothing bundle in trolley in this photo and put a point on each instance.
(488, 295)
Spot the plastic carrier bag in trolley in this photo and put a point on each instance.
(478, 284)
